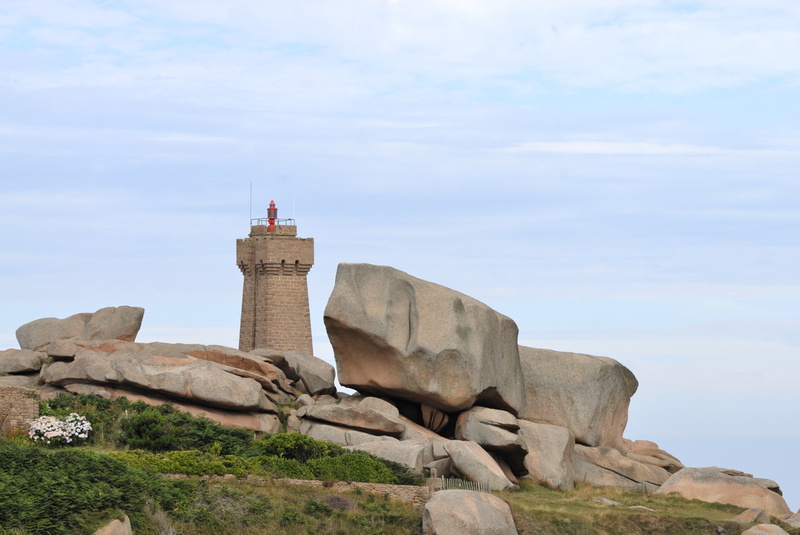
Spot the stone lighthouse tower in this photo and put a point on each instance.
(275, 262)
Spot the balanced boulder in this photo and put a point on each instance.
(120, 323)
(402, 337)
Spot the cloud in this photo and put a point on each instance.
(380, 48)
(637, 148)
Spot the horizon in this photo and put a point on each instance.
(621, 179)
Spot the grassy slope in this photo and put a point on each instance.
(538, 510)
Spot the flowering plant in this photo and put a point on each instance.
(52, 430)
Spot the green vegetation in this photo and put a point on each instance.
(75, 490)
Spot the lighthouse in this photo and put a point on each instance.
(275, 263)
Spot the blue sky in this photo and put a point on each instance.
(620, 177)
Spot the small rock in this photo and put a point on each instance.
(765, 529)
(752, 516)
(120, 526)
(605, 501)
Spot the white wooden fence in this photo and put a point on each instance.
(445, 483)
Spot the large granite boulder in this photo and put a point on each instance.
(402, 337)
(550, 452)
(466, 512)
(718, 485)
(120, 323)
(586, 394)
(163, 369)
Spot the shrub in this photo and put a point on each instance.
(298, 447)
(352, 466)
(54, 491)
(165, 428)
(189, 462)
(280, 467)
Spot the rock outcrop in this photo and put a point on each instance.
(398, 336)
(441, 382)
(465, 512)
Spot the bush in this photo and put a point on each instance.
(352, 466)
(54, 492)
(298, 447)
(165, 428)
(189, 462)
(280, 467)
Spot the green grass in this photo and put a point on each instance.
(244, 508)
(541, 511)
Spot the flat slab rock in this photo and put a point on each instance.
(398, 336)
(713, 484)
(163, 369)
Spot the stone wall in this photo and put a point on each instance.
(17, 408)
(275, 310)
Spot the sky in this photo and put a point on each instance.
(620, 177)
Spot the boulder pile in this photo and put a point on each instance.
(440, 383)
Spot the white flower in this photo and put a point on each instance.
(50, 429)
